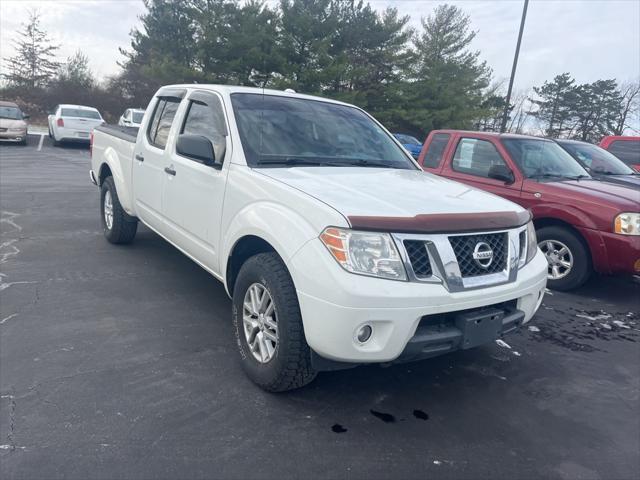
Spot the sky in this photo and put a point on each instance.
(591, 39)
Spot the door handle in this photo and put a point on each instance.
(140, 158)
(170, 171)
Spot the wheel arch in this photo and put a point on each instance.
(556, 222)
(244, 248)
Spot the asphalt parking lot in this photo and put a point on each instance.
(119, 362)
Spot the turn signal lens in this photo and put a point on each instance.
(532, 242)
(627, 224)
(364, 253)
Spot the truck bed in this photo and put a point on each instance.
(129, 134)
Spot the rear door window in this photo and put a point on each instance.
(435, 150)
(476, 157)
(160, 124)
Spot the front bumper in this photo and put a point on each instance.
(10, 136)
(335, 304)
(623, 252)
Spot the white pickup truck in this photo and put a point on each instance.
(336, 249)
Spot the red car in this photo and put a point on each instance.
(626, 149)
(582, 224)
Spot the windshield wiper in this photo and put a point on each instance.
(361, 162)
(290, 161)
(546, 175)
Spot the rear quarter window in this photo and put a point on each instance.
(160, 125)
(435, 150)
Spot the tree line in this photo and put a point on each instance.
(412, 79)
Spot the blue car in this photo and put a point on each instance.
(410, 143)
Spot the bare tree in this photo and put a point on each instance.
(629, 107)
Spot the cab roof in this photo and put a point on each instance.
(493, 134)
(230, 89)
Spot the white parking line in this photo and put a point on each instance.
(41, 140)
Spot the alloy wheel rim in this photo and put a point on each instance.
(559, 258)
(108, 210)
(260, 323)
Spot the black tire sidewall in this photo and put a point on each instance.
(254, 270)
(581, 269)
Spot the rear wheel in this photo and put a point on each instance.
(268, 325)
(118, 226)
(568, 259)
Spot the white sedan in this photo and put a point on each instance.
(132, 117)
(73, 122)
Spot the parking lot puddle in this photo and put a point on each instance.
(337, 428)
(385, 417)
(420, 415)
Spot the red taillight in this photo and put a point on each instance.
(91, 144)
(60, 122)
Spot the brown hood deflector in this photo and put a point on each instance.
(443, 222)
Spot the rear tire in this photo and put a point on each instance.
(118, 226)
(561, 247)
(288, 365)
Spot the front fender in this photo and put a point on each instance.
(565, 213)
(282, 227)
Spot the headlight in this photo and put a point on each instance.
(532, 242)
(366, 253)
(627, 224)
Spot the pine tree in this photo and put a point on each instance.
(34, 64)
(556, 105)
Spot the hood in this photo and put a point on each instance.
(365, 192)
(9, 123)
(625, 198)
(629, 180)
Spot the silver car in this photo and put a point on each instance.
(13, 127)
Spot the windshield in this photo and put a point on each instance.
(11, 113)
(79, 113)
(137, 117)
(292, 131)
(407, 139)
(542, 158)
(597, 159)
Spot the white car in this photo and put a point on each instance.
(132, 117)
(335, 247)
(73, 122)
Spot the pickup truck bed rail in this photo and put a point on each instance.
(130, 134)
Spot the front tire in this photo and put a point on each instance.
(568, 258)
(118, 227)
(268, 326)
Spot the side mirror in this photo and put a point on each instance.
(25, 116)
(502, 173)
(198, 148)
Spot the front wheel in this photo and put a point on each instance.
(118, 227)
(268, 326)
(569, 261)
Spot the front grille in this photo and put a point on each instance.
(463, 247)
(418, 257)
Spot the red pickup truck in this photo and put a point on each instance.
(582, 224)
(626, 149)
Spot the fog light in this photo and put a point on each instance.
(364, 333)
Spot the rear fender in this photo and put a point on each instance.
(112, 160)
